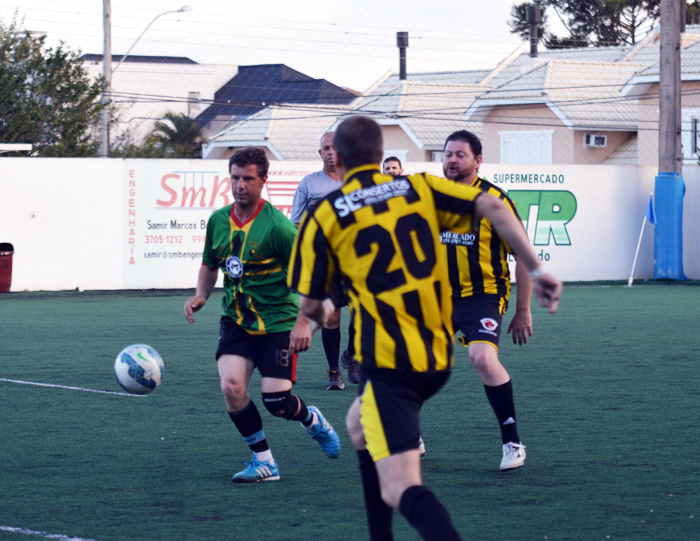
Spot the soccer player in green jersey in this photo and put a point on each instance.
(381, 233)
(251, 241)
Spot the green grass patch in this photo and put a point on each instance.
(607, 394)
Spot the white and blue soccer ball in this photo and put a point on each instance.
(139, 369)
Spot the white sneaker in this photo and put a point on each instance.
(421, 447)
(513, 456)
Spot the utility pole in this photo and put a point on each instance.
(669, 187)
(402, 44)
(107, 83)
(670, 160)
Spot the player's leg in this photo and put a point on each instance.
(330, 337)
(480, 318)
(278, 370)
(379, 514)
(347, 358)
(390, 405)
(235, 355)
(234, 374)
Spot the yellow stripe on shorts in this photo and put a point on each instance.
(372, 425)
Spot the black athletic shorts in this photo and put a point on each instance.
(390, 408)
(479, 317)
(336, 293)
(269, 352)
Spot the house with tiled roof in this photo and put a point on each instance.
(285, 131)
(556, 111)
(643, 87)
(416, 114)
(256, 87)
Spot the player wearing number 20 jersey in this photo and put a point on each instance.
(382, 233)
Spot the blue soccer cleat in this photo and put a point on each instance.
(325, 435)
(257, 471)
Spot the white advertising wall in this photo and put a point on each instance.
(140, 224)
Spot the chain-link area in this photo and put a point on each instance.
(202, 82)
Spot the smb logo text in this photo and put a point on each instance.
(550, 210)
(194, 189)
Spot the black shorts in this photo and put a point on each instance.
(479, 317)
(390, 408)
(269, 352)
(336, 293)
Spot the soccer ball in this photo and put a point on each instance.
(139, 369)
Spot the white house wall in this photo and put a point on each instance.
(139, 224)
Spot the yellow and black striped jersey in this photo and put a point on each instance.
(478, 259)
(382, 233)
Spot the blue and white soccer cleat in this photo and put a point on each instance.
(325, 435)
(257, 471)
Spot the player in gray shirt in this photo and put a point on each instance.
(310, 191)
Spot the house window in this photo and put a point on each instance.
(193, 104)
(436, 156)
(690, 126)
(526, 146)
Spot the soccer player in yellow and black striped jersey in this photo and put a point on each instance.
(382, 234)
(480, 282)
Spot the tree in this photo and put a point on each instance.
(181, 137)
(597, 22)
(46, 97)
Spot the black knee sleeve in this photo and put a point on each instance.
(283, 404)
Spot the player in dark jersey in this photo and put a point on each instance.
(382, 234)
(480, 280)
(251, 241)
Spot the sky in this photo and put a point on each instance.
(351, 43)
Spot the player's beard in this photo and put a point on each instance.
(457, 176)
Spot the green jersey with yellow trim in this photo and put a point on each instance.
(254, 257)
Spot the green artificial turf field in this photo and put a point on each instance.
(607, 394)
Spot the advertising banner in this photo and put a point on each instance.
(167, 205)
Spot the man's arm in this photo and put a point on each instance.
(547, 289)
(316, 310)
(521, 324)
(206, 280)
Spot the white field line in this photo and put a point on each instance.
(43, 534)
(65, 387)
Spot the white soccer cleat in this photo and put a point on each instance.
(513, 456)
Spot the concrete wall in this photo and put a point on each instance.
(140, 224)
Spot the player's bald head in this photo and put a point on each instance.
(358, 141)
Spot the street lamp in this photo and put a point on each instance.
(181, 10)
(107, 67)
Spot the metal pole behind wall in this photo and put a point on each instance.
(402, 44)
(533, 19)
(107, 74)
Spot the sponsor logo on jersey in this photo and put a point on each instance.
(369, 196)
(465, 239)
(234, 267)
